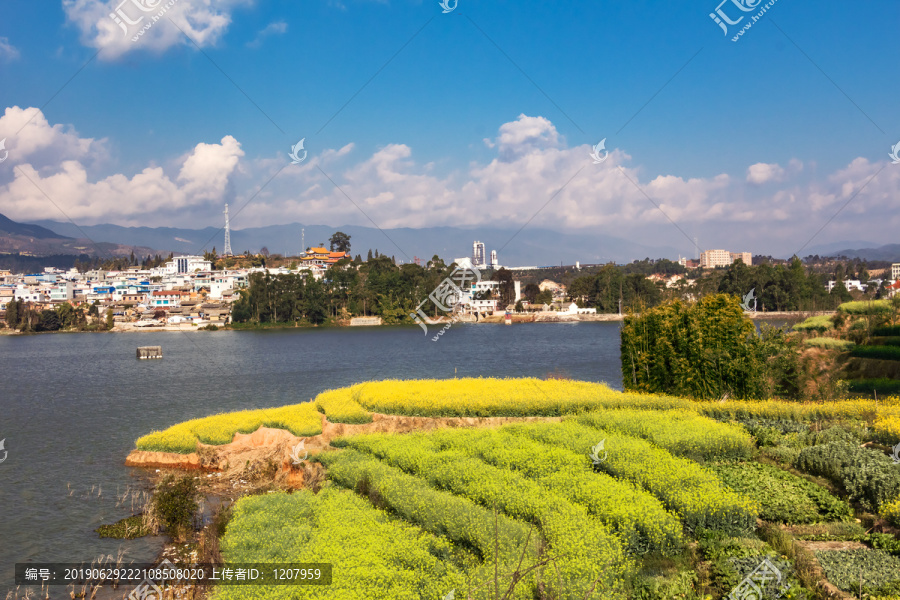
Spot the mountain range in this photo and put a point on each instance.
(530, 246)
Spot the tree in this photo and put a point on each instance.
(13, 313)
(507, 287)
(369, 256)
(519, 306)
(264, 251)
(340, 242)
(49, 321)
(531, 292)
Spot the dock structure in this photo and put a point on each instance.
(149, 352)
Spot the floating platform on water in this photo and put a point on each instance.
(149, 352)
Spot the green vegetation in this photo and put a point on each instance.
(174, 506)
(868, 476)
(681, 432)
(684, 487)
(128, 528)
(378, 557)
(879, 571)
(782, 497)
(867, 307)
(819, 323)
(881, 385)
(300, 419)
(706, 350)
(892, 330)
(830, 343)
(878, 352)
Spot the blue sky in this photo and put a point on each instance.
(479, 117)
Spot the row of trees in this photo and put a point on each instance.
(26, 317)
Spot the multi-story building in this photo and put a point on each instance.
(895, 271)
(710, 259)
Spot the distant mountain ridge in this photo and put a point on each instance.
(10, 227)
(888, 252)
(530, 247)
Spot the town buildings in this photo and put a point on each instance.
(710, 259)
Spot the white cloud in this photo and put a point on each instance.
(41, 185)
(533, 177)
(205, 21)
(275, 28)
(761, 173)
(8, 52)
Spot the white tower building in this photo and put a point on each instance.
(478, 258)
(494, 262)
(227, 251)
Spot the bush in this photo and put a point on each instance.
(832, 434)
(868, 476)
(782, 497)
(891, 330)
(881, 385)
(174, 506)
(891, 511)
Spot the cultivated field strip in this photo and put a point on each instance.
(640, 520)
(587, 552)
(681, 432)
(379, 557)
(683, 486)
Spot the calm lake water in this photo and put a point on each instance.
(72, 405)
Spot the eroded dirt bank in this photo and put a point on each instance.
(270, 449)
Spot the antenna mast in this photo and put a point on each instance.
(227, 251)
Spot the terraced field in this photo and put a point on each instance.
(628, 496)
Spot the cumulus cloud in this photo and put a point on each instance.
(761, 173)
(533, 177)
(204, 21)
(276, 28)
(41, 185)
(8, 52)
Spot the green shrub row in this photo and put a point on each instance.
(681, 432)
(869, 476)
(866, 307)
(588, 553)
(683, 486)
(879, 352)
(829, 343)
(377, 557)
(890, 330)
(639, 519)
(881, 385)
(782, 497)
(817, 323)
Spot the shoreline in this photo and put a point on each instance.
(541, 317)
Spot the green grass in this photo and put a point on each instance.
(823, 342)
(783, 497)
(881, 385)
(817, 323)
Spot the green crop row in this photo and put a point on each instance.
(890, 330)
(866, 307)
(342, 408)
(869, 476)
(874, 569)
(829, 343)
(879, 352)
(685, 487)
(681, 432)
(375, 558)
(782, 497)
(588, 555)
(639, 519)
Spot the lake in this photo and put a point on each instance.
(72, 405)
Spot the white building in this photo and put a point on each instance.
(184, 264)
(895, 271)
(710, 259)
(850, 284)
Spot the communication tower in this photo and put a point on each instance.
(227, 251)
